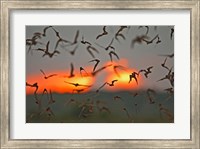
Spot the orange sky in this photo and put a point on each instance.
(57, 84)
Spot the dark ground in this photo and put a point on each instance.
(100, 108)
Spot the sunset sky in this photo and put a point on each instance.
(141, 56)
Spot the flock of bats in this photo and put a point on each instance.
(87, 108)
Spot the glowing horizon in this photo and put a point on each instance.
(60, 83)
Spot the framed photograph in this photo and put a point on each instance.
(100, 74)
(109, 91)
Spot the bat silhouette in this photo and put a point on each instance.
(74, 50)
(32, 42)
(82, 69)
(139, 40)
(78, 90)
(133, 75)
(85, 42)
(77, 84)
(101, 87)
(172, 33)
(44, 31)
(100, 69)
(151, 101)
(102, 34)
(46, 51)
(37, 100)
(166, 112)
(111, 53)
(51, 100)
(75, 38)
(97, 62)
(119, 34)
(158, 40)
(49, 111)
(72, 71)
(70, 101)
(146, 72)
(89, 48)
(104, 109)
(169, 90)
(112, 83)
(168, 76)
(60, 39)
(46, 77)
(151, 41)
(117, 97)
(146, 28)
(163, 64)
(168, 55)
(45, 91)
(35, 85)
(106, 83)
(119, 67)
(149, 92)
(127, 113)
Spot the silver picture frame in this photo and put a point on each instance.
(194, 8)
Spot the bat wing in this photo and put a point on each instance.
(121, 35)
(104, 29)
(111, 52)
(101, 87)
(97, 62)
(47, 46)
(165, 61)
(172, 32)
(130, 78)
(149, 68)
(45, 29)
(133, 42)
(114, 81)
(69, 83)
(42, 72)
(39, 49)
(52, 75)
(85, 85)
(72, 69)
(93, 48)
(100, 69)
(161, 79)
(45, 90)
(90, 52)
(76, 37)
(115, 54)
(147, 30)
(57, 43)
(142, 70)
(99, 36)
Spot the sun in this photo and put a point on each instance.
(122, 75)
(84, 82)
